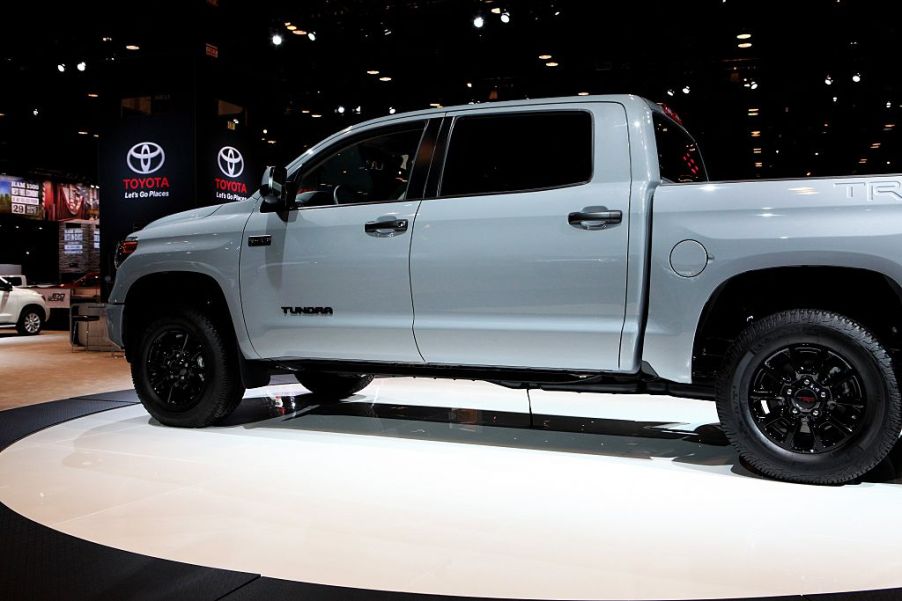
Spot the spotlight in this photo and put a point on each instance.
(311, 36)
(744, 45)
(81, 66)
(357, 109)
(132, 47)
(385, 78)
(265, 131)
(754, 85)
(551, 64)
(391, 110)
(61, 67)
(276, 39)
(340, 110)
(670, 92)
(828, 80)
(856, 78)
(470, 85)
(316, 115)
(478, 22)
(291, 27)
(544, 57)
(743, 36)
(505, 17)
(582, 94)
(686, 90)
(35, 112)
(372, 72)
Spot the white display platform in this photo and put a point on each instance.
(443, 487)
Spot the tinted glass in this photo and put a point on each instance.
(515, 152)
(376, 169)
(678, 155)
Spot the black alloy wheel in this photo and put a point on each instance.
(177, 368)
(809, 396)
(185, 369)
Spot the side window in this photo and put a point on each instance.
(517, 152)
(374, 169)
(678, 157)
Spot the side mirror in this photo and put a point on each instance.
(5, 286)
(274, 188)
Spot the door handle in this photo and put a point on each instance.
(594, 218)
(385, 228)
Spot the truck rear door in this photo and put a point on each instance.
(521, 258)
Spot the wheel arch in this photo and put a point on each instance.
(153, 294)
(866, 296)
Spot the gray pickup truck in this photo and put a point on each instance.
(568, 243)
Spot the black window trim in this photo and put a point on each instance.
(446, 143)
(701, 155)
(420, 167)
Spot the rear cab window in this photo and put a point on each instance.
(679, 158)
(518, 152)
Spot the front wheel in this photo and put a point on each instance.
(333, 386)
(185, 372)
(809, 396)
(31, 321)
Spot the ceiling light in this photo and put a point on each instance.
(276, 39)
(670, 92)
(311, 35)
(505, 17)
(82, 133)
(544, 57)
(756, 133)
(889, 105)
(35, 112)
(265, 131)
(270, 141)
(387, 31)
(835, 98)
(372, 72)
(759, 164)
(828, 80)
(2, 114)
(357, 109)
(743, 36)
(81, 66)
(862, 161)
(291, 27)
(686, 90)
(744, 45)
(61, 67)
(132, 47)
(340, 110)
(756, 151)
(478, 22)
(299, 32)
(305, 111)
(391, 110)
(856, 78)
(435, 105)
(754, 85)
(583, 94)
(496, 10)
(316, 115)
(93, 95)
(889, 125)
(235, 121)
(287, 23)
(551, 64)
(875, 145)
(469, 84)
(385, 78)
(106, 38)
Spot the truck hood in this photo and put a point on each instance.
(184, 216)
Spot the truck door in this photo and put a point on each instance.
(330, 280)
(521, 258)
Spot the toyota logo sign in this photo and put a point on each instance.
(145, 157)
(231, 163)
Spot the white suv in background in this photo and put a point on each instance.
(25, 309)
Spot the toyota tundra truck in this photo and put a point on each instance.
(568, 243)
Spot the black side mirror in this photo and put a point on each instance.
(274, 189)
(5, 286)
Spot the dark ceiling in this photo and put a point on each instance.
(434, 54)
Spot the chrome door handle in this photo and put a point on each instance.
(594, 218)
(385, 228)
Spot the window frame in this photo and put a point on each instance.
(445, 146)
(418, 172)
(701, 156)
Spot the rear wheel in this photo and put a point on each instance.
(333, 386)
(185, 373)
(809, 396)
(31, 321)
